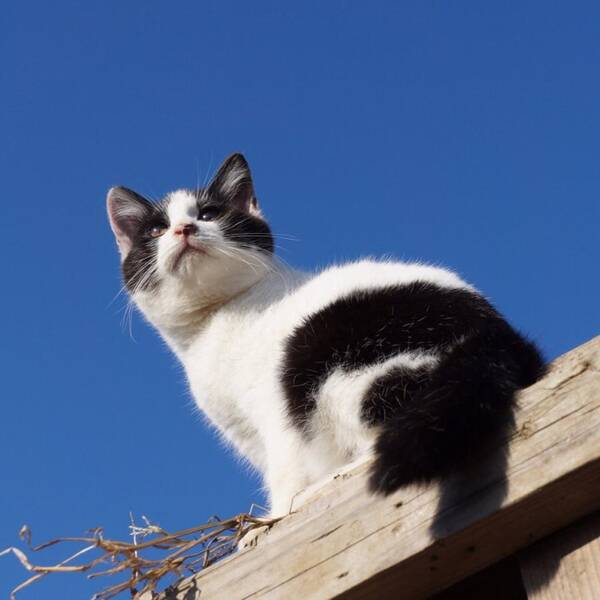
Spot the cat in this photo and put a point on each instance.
(303, 373)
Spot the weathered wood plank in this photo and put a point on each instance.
(345, 542)
(566, 564)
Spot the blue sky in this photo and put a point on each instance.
(465, 134)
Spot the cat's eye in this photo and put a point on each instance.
(209, 213)
(156, 231)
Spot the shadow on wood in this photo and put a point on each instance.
(566, 564)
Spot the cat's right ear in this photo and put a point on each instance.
(233, 183)
(126, 212)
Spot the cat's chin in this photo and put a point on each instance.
(186, 254)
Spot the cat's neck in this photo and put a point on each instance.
(183, 320)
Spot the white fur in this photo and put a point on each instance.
(227, 314)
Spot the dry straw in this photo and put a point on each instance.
(179, 553)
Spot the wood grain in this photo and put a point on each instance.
(342, 542)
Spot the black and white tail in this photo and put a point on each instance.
(468, 398)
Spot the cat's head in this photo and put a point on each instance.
(195, 247)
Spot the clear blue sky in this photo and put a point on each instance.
(461, 134)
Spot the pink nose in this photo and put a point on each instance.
(185, 230)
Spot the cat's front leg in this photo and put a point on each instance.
(286, 475)
(283, 488)
(284, 478)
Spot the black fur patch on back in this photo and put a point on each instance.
(372, 325)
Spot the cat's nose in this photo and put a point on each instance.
(185, 230)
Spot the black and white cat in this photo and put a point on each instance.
(303, 373)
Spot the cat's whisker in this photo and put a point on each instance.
(126, 319)
(236, 255)
(198, 173)
(248, 254)
(145, 278)
(129, 313)
(208, 171)
(122, 291)
(146, 269)
(262, 235)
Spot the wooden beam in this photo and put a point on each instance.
(566, 564)
(342, 542)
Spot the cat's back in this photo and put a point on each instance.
(342, 281)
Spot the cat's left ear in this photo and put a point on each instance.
(233, 184)
(126, 213)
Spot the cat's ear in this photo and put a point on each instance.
(126, 212)
(233, 183)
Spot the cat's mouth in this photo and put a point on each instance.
(187, 249)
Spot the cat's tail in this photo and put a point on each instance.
(468, 398)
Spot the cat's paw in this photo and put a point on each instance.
(250, 539)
